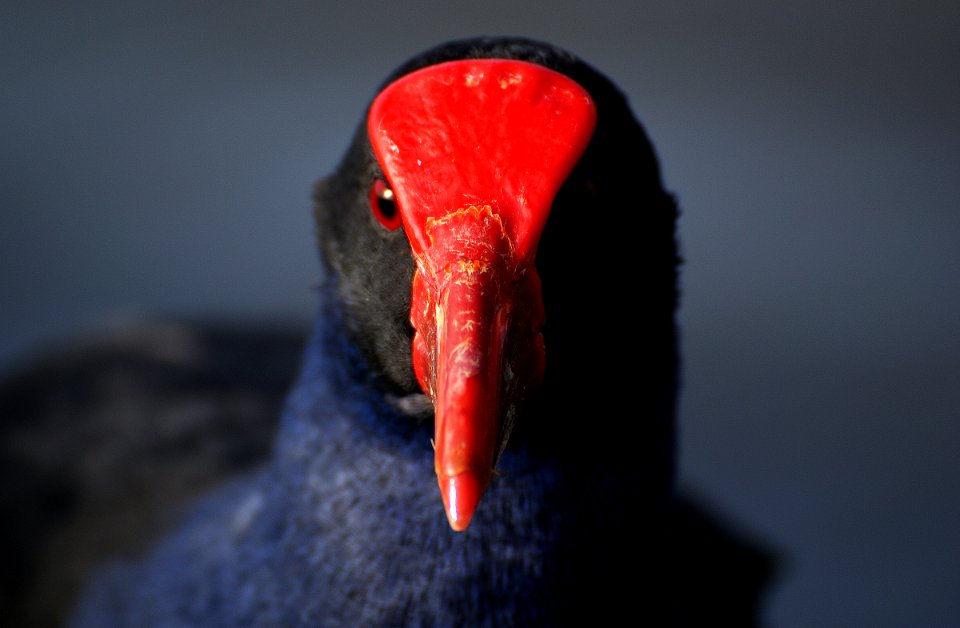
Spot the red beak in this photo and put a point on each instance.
(475, 152)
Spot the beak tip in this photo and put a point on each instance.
(461, 494)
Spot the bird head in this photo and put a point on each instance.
(447, 192)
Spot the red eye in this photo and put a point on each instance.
(384, 205)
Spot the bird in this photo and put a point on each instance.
(482, 428)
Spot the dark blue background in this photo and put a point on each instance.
(157, 158)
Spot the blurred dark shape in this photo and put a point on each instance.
(723, 572)
(103, 444)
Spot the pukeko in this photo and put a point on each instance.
(496, 321)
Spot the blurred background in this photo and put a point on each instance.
(157, 159)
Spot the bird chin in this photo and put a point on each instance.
(416, 405)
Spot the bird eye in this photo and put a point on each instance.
(384, 205)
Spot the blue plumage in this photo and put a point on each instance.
(344, 527)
